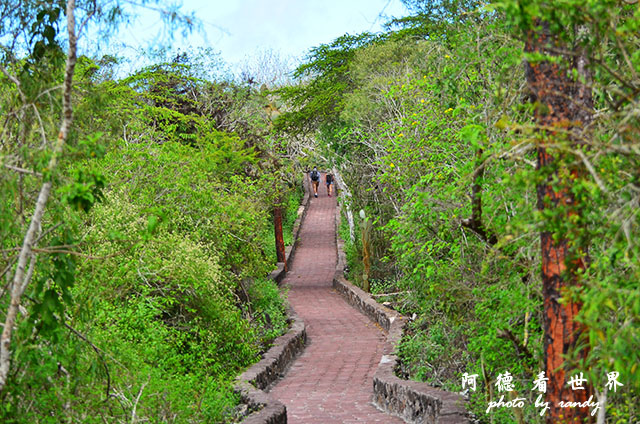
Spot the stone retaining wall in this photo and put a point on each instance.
(413, 401)
(276, 360)
(251, 384)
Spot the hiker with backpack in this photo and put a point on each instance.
(315, 180)
(328, 179)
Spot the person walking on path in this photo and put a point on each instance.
(328, 179)
(315, 180)
(331, 381)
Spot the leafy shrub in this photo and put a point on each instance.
(160, 317)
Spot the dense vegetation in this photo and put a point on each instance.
(146, 291)
(492, 149)
(462, 160)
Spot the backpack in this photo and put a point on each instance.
(315, 176)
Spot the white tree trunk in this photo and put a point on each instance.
(21, 277)
(602, 400)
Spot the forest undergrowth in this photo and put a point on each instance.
(147, 289)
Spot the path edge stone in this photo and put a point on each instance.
(414, 402)
(253, 383)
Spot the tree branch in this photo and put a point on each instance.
(22, 170)
(521, 350)
(98, 352)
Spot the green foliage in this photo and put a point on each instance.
(171, 244)
(268, 310)
(352, 250)
(433, 19)
(432, 139)
(149, 293)
(136, 305)
(52, 291)
(319, 101)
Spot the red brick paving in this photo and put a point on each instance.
(331, 382)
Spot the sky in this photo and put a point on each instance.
(241, 28)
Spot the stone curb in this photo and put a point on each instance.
(413, 401)
(252, 383)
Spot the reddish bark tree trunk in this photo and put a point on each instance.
(277, 223)
(563, 107)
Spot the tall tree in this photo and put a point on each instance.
(22, 274)
(324, 80)
(563, 107)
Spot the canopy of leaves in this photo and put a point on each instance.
(324, 80)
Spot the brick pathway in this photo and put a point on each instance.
(331, 382)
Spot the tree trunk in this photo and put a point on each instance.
(476, 196)
(366, 254)
(347, 202)
(563, 107)
(277, 223)
(475, 223)
(22, 276)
